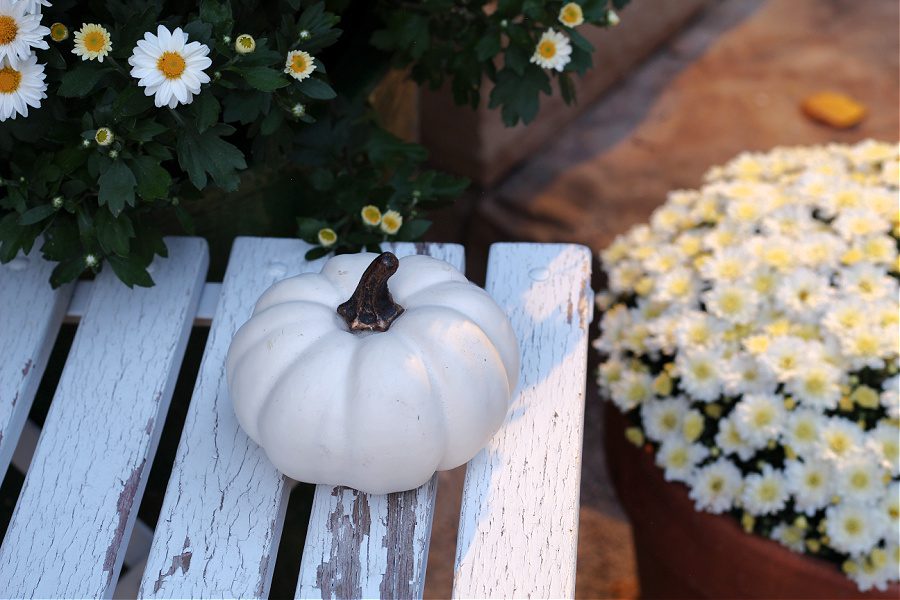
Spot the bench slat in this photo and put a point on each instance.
(366, 546)
(74, 516)
(518, 526)
(221, 519)
(30, 315)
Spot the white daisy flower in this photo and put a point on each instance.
(678, 458)
(765, 493)
(854, 528)
(716, 486)
(20, 87)
(876, 569)
(698, 371)
(697, 329)
(816, 384)
(391, 222)
(553, 51)
(20, 31)
(811, 484)
(34, 7)
(859, 222)
(662, 418)
(784, 356)
(759, 418)
(299, 64)
(168, 67)
(860, 480)
(890, 506)
(678, 286)
(804, 294)
(92, 42)
(790, 536)
(730, 440)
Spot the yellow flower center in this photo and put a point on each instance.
(768, 492)
(731, 302)
(838, 442)
(8, 29)
(763, 417)
(859, 480)
(171, 64)
(866, 344)
(853, 526)
(102, 135)
(716, 484)
(815, 384)
(9, 80)
(669, 421)
(814, 480)
(245, 41)
(678, 458)
(702, 371)
(805, 431)
(571, 13)
(95, 41)
(547, 49)
(299, 64)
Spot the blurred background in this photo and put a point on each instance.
(680, 86)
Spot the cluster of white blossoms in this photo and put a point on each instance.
(554, 50)
(166, 64)
(751, 335)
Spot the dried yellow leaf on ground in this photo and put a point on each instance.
(835, 109)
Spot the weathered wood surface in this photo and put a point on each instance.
(368, 546)
(75, 513)
(30, 314)
(221, 519)
(518, 528)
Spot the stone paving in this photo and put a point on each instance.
(732, 80)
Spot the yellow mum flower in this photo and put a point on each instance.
(371, 215)
(299, 64)
(391, 222)
(571, 15)
(327, 237)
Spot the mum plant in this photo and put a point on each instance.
(751, 338)
(115, 114)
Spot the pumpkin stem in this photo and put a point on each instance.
(371, 307)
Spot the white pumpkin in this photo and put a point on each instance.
(383, 394)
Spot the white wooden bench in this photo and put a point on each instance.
(221, 520)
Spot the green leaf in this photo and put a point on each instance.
(488, 46)
(153, 180)
(207, 152)
(81, 80)
(199, 31)
(130, 271)
(66, 271)
(245, 106)
(206, 111)
(384, 148)
(316, 89)
(130, 102)
(113, 233)
(315, 253)
(70, 158)
(518, 96)
(117, 185)
(146, 129)
(566, 88)
(217, 13)
(36, 214)
(264, 79)
(594, 10)
(271, 122)
(413, 230)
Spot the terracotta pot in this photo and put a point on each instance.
(682, 553)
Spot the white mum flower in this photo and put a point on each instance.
(716, 486)
(766, 492)
(168, 67)
(729, 264)
(678, 286)
(632, 389)
(679, 458)
(34, 7)
(840, 439)
(890, 396)
(802, 430)
(697, 329)
(876, 569)
(20, 31)
(820, 249)
(662, 418)
(804, 294)
(759, 418)
(859, 222)
(811, 483)
(734, 303)
(860, 480)
(785, 356)
(698, 371)
(299, 64)
(730, 440)
(884, 440)
(816, 384)
(553, 51)
(20, 87)
(854, 528)
(744, 374)
(890, 506)
(790, 536)
(868, 282)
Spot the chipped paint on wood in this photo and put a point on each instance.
(76, 510)
(180, 562)
(30, 317)
(518, 527)
(363, 545)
